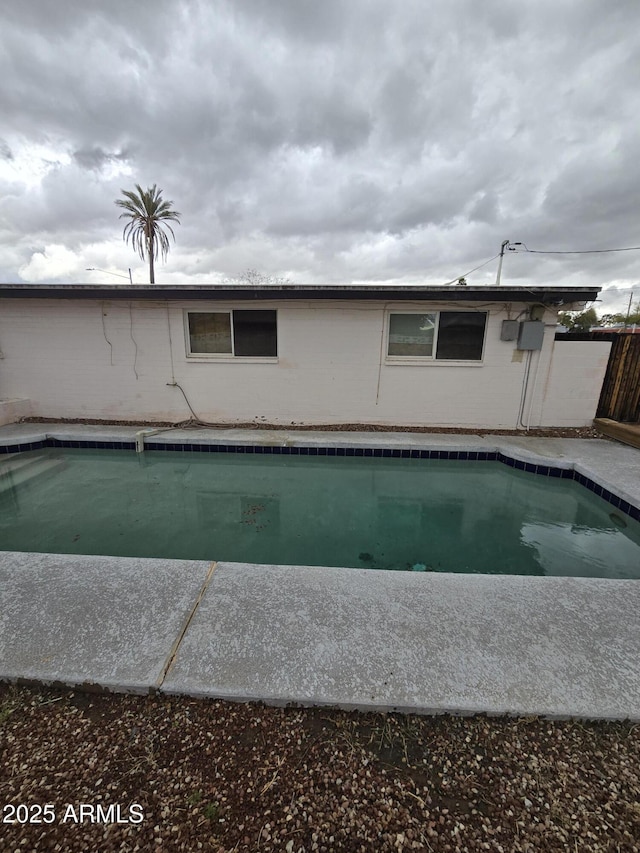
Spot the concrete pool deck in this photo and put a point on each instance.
(429, 643)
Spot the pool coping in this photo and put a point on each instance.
(556, 647)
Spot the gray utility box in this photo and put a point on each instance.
(509, 331)
(531, 334)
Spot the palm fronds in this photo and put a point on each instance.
(149, 215)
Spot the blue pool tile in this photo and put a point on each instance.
(405, 454)
(313, 451)
(377, 452)
(462, 454)
(543, 470)
(519, 465)
(568, 474)
(259, 449)
(472, 456)
(555, 472)
(415, 454)
(331, 451)
(341, 451)
(322, 451)
(624, 507)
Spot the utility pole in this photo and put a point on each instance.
(626, 321)
(504, 245)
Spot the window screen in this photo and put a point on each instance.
(254, 333)
(461, 335)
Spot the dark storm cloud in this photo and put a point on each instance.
(5, 150)
(97, 157)
(325, 141)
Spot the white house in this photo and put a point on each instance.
(446, 356)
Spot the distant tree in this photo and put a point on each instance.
(581, 322)
(612, 319)
(149, 214)
(256, 279)
(621, 317)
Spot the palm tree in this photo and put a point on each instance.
(149, 214)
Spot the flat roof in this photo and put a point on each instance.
(553, 295)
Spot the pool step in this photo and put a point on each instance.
(18, 470)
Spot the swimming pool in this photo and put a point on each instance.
(401, 510)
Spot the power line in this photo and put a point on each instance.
(464, 275)
(575, 252)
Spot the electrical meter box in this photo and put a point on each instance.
(509, 331)
(531, 334)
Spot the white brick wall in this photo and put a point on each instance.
(77, 358)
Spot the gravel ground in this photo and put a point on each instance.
(220, 776)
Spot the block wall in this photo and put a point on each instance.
(117, 361)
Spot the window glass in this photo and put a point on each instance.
(411, 334)
(254, 333)
(461, 335)
(210, 332)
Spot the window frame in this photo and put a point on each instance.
(226, 357)
(432, 359)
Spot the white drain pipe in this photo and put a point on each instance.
(140, 436)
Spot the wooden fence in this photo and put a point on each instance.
(620, 395)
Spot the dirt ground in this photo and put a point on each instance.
(182, 774)
(550, 432)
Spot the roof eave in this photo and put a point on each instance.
(552, 295)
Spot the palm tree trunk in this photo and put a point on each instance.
(152, 276)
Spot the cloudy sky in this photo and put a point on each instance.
(324, 140)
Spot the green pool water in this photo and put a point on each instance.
(394, 514)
